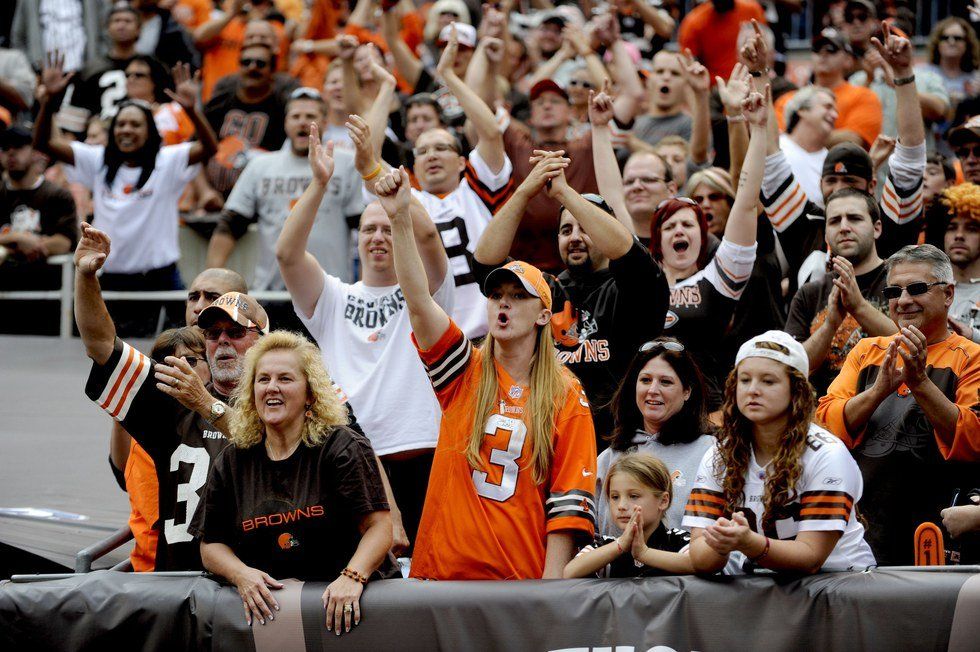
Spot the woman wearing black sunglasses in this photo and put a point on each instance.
(659, 408)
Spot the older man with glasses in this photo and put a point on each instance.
(908, 405)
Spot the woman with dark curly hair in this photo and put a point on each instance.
(953, 52)
(659, 408)
(777, 491)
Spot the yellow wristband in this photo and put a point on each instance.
(373, 174)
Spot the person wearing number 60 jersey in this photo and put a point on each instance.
(513, 477)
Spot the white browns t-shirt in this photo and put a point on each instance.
(364, 335)
(826, 496)
(141, 223)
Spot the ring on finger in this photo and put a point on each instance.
(348, 608)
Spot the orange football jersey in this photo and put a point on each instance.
(492, 522)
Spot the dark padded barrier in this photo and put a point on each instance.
(876, 610)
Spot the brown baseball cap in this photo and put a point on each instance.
(240, 308)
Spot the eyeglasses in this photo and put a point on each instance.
(966, 151)
(827, 48)
(305, 93)
(644, 181)
(438, 148)
(235, 332)
(192, 360)
(261, 64)
(855, 18)
(918, 288)
(667, 345)
(711, 196)
(952, 38)
(581, 82)
(137, 75)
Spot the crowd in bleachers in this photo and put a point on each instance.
(576, 289)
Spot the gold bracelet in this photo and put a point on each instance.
(354, 575)
(373, 174)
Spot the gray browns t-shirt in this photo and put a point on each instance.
(966, 306)
(266, 192)
(652, 130)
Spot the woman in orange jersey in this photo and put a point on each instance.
(777, 491)
(513, 475)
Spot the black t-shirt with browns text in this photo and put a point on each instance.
(296, 517)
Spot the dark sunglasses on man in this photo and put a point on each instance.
(916, 289)
(965, 151)
(235, 332)
(247, 62)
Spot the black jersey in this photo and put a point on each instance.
(296, 517)
(181, 442)
(668, 540)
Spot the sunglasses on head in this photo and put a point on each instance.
(666, 345)
(683, 200)
(258, 63)
(918, 288)
(235, 332)
(305, 93)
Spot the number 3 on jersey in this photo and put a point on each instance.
(505, 458)
(199, 460)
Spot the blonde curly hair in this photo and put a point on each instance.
(963, 200)
(325, 409)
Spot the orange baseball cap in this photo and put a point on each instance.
(529, 276)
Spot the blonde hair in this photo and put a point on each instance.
(550, 384)
(326, 410)
(648, 470)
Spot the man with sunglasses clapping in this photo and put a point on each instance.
(908, 405)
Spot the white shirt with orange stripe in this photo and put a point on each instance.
(825, 499)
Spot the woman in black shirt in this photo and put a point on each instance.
(298, 493)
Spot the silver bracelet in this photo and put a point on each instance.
(736, 118)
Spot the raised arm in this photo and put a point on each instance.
(95, 326)
(53, 81)
(607, 173)
(741, 227)
(353, 97)
(661, 22)
(429, 320)
(699, 81)
(631, 92)
(897, 53)
(187, 94)
(377, 114)
(495, 243)
(300, 270)
(208, 32)
(732, 94)
(490, 144)
(611, 237)
(406, 63)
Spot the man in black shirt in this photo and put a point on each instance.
(104, 84)
(611, 297)
(831, 315)
(251, 118)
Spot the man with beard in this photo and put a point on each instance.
(962, 244)
(248, 120)
(710, 32)
(908, 405)
(37, 220)
(165, 407)
(610, 298)
(269, 187)
(831, 315)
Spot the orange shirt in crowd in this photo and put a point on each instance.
(492, 522)
(711, 36)
(174, 124)
(192, 13)
(220, 58)
(858, 109)
(144, 511)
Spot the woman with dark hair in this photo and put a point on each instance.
(953, 52)
(659, 409)
(148, 80)
(777, 491)
(704, 287)
(135, 181)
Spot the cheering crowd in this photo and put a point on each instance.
(577, 290)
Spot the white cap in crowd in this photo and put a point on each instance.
(778, 346)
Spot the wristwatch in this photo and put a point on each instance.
(217, 410)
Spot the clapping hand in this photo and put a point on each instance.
(92, 250)
(360, 135)
(320, 156)
(547, 166)
(639, 546)
(628, 537)
(914, 349)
